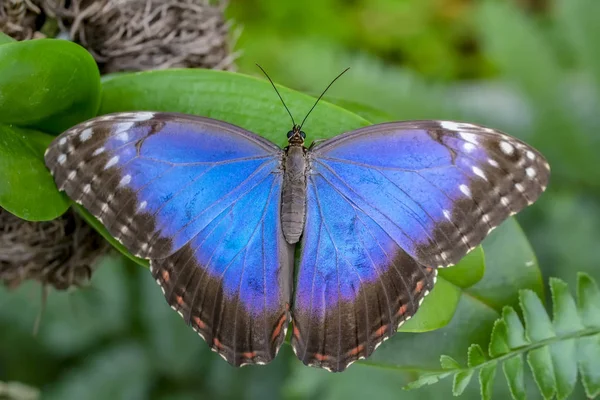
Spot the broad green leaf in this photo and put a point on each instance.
(439, 307)
(461, 380)
(27, 188)
(486, 380)
(468, 271)
(239, 99)
(47, 84)
(515, 377)
(4, 38)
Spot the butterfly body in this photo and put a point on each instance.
(293, 205)
(219, 210)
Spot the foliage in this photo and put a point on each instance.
(119, 337)
(555, 349)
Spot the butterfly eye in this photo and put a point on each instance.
(303, 134)
(290, 134)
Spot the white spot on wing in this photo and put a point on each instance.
(507, 148)
(125, 180)
(519, 187)
(143, 116)
(72, 175)
(62, 158)
(469, 147)
(530, 155)
(143, 205)
(450, 125)
(504, 201)
(477, 171)
(87, 188)
(111, 162)
(469, 137)
(530, 172)
(98, 151)
(493, 163)
(447, 215)
(85, 134)
(62, 141)
(465, 189)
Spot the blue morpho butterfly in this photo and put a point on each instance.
(219, 210)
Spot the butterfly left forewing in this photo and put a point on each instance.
(397, 201)
(200, 198)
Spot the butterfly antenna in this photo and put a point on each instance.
(324, 91)
(277, 91)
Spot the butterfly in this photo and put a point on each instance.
(219, 211)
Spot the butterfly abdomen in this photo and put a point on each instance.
(293, 204)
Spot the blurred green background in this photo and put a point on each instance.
(528, 67)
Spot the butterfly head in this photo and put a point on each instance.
(296, 135)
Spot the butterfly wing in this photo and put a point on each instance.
(386, 206)
(200, 198)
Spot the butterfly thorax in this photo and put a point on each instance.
(293, 197)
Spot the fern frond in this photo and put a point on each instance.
(557, 348)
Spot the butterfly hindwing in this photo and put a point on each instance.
(201, 199)
(386, 205)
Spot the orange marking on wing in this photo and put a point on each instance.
(165, 275)
(419, 286)
(277, 329)
(356, 351)
(381, 331)
(249, 354)
(199, 323)
(179, 300)
(217, 343)
(402, 310)
(321, 357)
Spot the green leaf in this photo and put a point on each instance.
(468, 271)
(47, 84)
(436, 311)
(27, 188)
(239, 99)
(448, 362)
(565, 315)
(589, 300)
(515, 376)
(588, 352)
(475, 356)
(461, 380)
(540, 362)
(486, 380)
(4, 38)
(514, 327)
(552, 357)
(499, 342)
